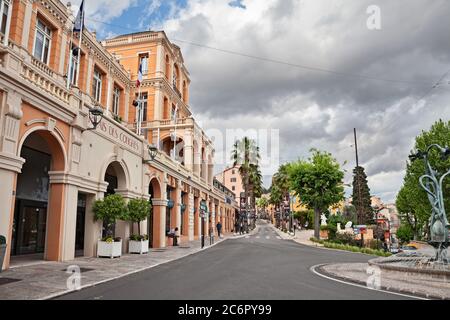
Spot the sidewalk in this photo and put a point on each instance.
(49, 279)
(301, 236)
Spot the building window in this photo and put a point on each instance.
(144, 103)
(143, 60)
(233, 188)
(42, 42)
(116, 101)
(233, 179)
(4, 10)
(97, 85)
(233, 172)
(74, 66)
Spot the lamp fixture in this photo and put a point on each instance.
(152, 152)
(95, 116)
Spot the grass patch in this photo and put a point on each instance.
(346, 247)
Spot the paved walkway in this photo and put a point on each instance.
(50, 279)
(301, 236)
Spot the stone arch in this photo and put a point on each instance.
(42, 231)
(167, 146)
(121, 170)
(55, 143)
(154, 221)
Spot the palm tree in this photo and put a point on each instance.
(245, 155)
(280, 186)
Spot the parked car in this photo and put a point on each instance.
(394, 249)
(408, 249)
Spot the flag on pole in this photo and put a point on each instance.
(79, 21)
(140, 76)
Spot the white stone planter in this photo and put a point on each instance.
(138, 246)
(110, 250)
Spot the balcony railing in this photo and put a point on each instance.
(166, 123)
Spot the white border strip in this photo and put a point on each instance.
(313, 270)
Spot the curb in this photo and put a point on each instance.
(318, 269)
(66, 292)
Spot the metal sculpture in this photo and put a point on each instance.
(432, 183)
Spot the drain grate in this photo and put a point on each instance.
(8, 280)
(81, 270)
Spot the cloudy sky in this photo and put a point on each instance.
(311, 69)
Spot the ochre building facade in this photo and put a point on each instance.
(54, 165)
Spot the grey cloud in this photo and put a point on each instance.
(233, 91)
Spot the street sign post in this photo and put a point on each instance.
(203, 213)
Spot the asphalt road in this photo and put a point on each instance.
(259, 267)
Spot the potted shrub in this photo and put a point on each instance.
(108, 210)
(138, 210)
(324, 232)
(2, 251)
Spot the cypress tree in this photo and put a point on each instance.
(361, 197)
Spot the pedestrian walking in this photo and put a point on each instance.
(219, 228)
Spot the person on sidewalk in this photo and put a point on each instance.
(219, 229)
(174, 234)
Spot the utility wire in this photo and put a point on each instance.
(436, 85)
(276, 61)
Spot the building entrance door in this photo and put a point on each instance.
(81, 221)
(30, 222)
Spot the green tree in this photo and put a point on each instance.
(138, 210)
(361, 197)
(405, 233)
(275, 195)
(262, 203)
(412, 201)
(318, 182)
(110, 209)
(245, 155)
(280, 186)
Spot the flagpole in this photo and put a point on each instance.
(70, 60)
(70, 56)
(141, 113)
(79, 46)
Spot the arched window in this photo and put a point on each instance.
(176, 76)
(167, 67)
(166, 112)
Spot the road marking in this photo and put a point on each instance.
(257, 237)
(267, 237)
(313, 270)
